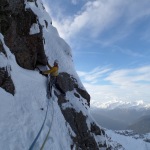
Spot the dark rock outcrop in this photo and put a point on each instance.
(84, 94)
(2, 50)
(6, 82)
(5, 79)
(65, 82)
(96, 130)
(84, 138)
(76, 95)
(68, 83)
(15, 24)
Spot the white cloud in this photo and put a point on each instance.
(130, 77)
(98, 15)
(125, 84)
(94, 75)
(95, 16)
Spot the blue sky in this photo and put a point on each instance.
(110, 41)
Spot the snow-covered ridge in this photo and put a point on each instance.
(121, 104)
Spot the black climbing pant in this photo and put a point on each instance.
(53, 82)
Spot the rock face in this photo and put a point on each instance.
(16, 22)
(6, 82)
(68, 83)
(84, 138)
(2, 49)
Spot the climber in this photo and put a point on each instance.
(53, 72)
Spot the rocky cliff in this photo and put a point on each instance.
(27, 33)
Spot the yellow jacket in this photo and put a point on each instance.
(53, 71)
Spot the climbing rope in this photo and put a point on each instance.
(36, 138)
(45, 140)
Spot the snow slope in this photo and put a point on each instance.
(129, 143)
(20, 114)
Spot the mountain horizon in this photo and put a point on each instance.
(118, 115)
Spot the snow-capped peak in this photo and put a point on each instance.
(140, 104)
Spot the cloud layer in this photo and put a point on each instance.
(98, 16)
(124, 84)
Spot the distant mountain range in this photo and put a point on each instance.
(118, 115)
(142, 125)
(121, 104)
